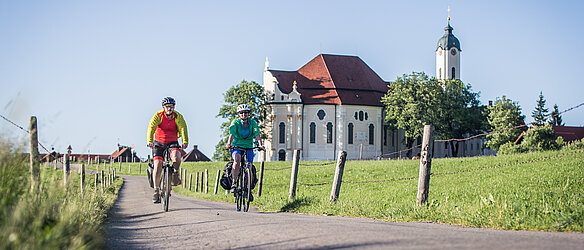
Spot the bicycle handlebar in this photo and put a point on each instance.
(236, 147)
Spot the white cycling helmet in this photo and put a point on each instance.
(242, 107)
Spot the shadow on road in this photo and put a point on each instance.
(295, 204)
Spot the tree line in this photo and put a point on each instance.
(416, 99)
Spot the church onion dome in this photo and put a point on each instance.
(448, 40)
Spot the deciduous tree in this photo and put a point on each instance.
(250, 93)
(504, 115)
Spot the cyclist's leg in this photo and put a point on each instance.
(175, 155)
(236, 155)
(158, 159)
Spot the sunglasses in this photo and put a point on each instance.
(169, 106)
(244, 112)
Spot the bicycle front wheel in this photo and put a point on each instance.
(166, 188)
(246, 187)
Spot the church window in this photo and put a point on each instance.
(282, 132)
(312, 132)
(366, 116)
(282, 97)
(453, 73)
(360, 115)
(350, 135)
(356, 116)
(282, 155)
(321, 114)
(329, 132)
(371, 134)
(440, 73)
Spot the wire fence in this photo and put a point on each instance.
(23, 129)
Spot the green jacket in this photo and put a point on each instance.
(239, 132)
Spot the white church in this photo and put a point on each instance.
(333, 103)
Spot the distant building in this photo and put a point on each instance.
(333, 103)
(124, 154)
(569, 133)
(195, 155)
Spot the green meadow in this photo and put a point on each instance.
(54, 217)
(530, 191)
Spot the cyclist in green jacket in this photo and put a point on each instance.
(242, 132)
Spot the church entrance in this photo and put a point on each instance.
(281, 155)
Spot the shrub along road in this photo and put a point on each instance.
(134, 222)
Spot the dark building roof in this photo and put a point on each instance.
(569, 133)
(195, 155)
(448, 40)
(334, 79)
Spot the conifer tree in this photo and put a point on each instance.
(540, 114)
(555, 117)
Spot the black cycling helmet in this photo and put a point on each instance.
(168, 100)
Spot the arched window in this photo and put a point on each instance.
(385, 135)
(282, 132)
(321, 114)
(350, 135)
(360, 115)
(312, 132)
(329, 132)
(371, 134)
(453, 73)
(281, 155)
(440, 73)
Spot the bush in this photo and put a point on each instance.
(575, 145)
(511, 148)
(540, 138)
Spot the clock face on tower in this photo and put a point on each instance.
(453, 51)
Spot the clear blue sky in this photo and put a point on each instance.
(94, 72)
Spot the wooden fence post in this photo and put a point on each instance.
(338, 176)
(217, 181)
(294, 174)
(206, 181)
(261, 179)
(82, 177)
(190, 182)
(120, 163)
(96, 180)
(35, 168)
(202, 182)
(197, 183)
(139, 168)
(425, 164)
(129, 169)
(102, 179)
(184, 183)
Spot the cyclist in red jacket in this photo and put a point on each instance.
(166, 126)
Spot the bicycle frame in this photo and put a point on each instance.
(244, 179)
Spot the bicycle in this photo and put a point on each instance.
(244, 180)
(166, 184)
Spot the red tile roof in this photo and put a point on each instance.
(569, 133)
(334, 79)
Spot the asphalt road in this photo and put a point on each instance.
(136, 223)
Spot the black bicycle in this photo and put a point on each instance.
(166, 184)
(243, 190)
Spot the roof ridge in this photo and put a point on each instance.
(330, 76)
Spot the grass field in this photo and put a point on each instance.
(52, 218)
(546, 194)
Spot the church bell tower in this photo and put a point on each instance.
(448, 55)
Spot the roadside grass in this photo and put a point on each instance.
(52, 218)
(545, 194)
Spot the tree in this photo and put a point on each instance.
(503, 117)
(409, 104)
(250, 93)
(555, 117)
(540, 114)
(460, 112)
(539, 138)
(415, 100)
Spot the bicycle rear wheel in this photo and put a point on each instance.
(246, 188)
(166, 187)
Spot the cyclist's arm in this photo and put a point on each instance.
(154, 122)
(229, 141)
(181, 125)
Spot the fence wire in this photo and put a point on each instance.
(21, 128)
